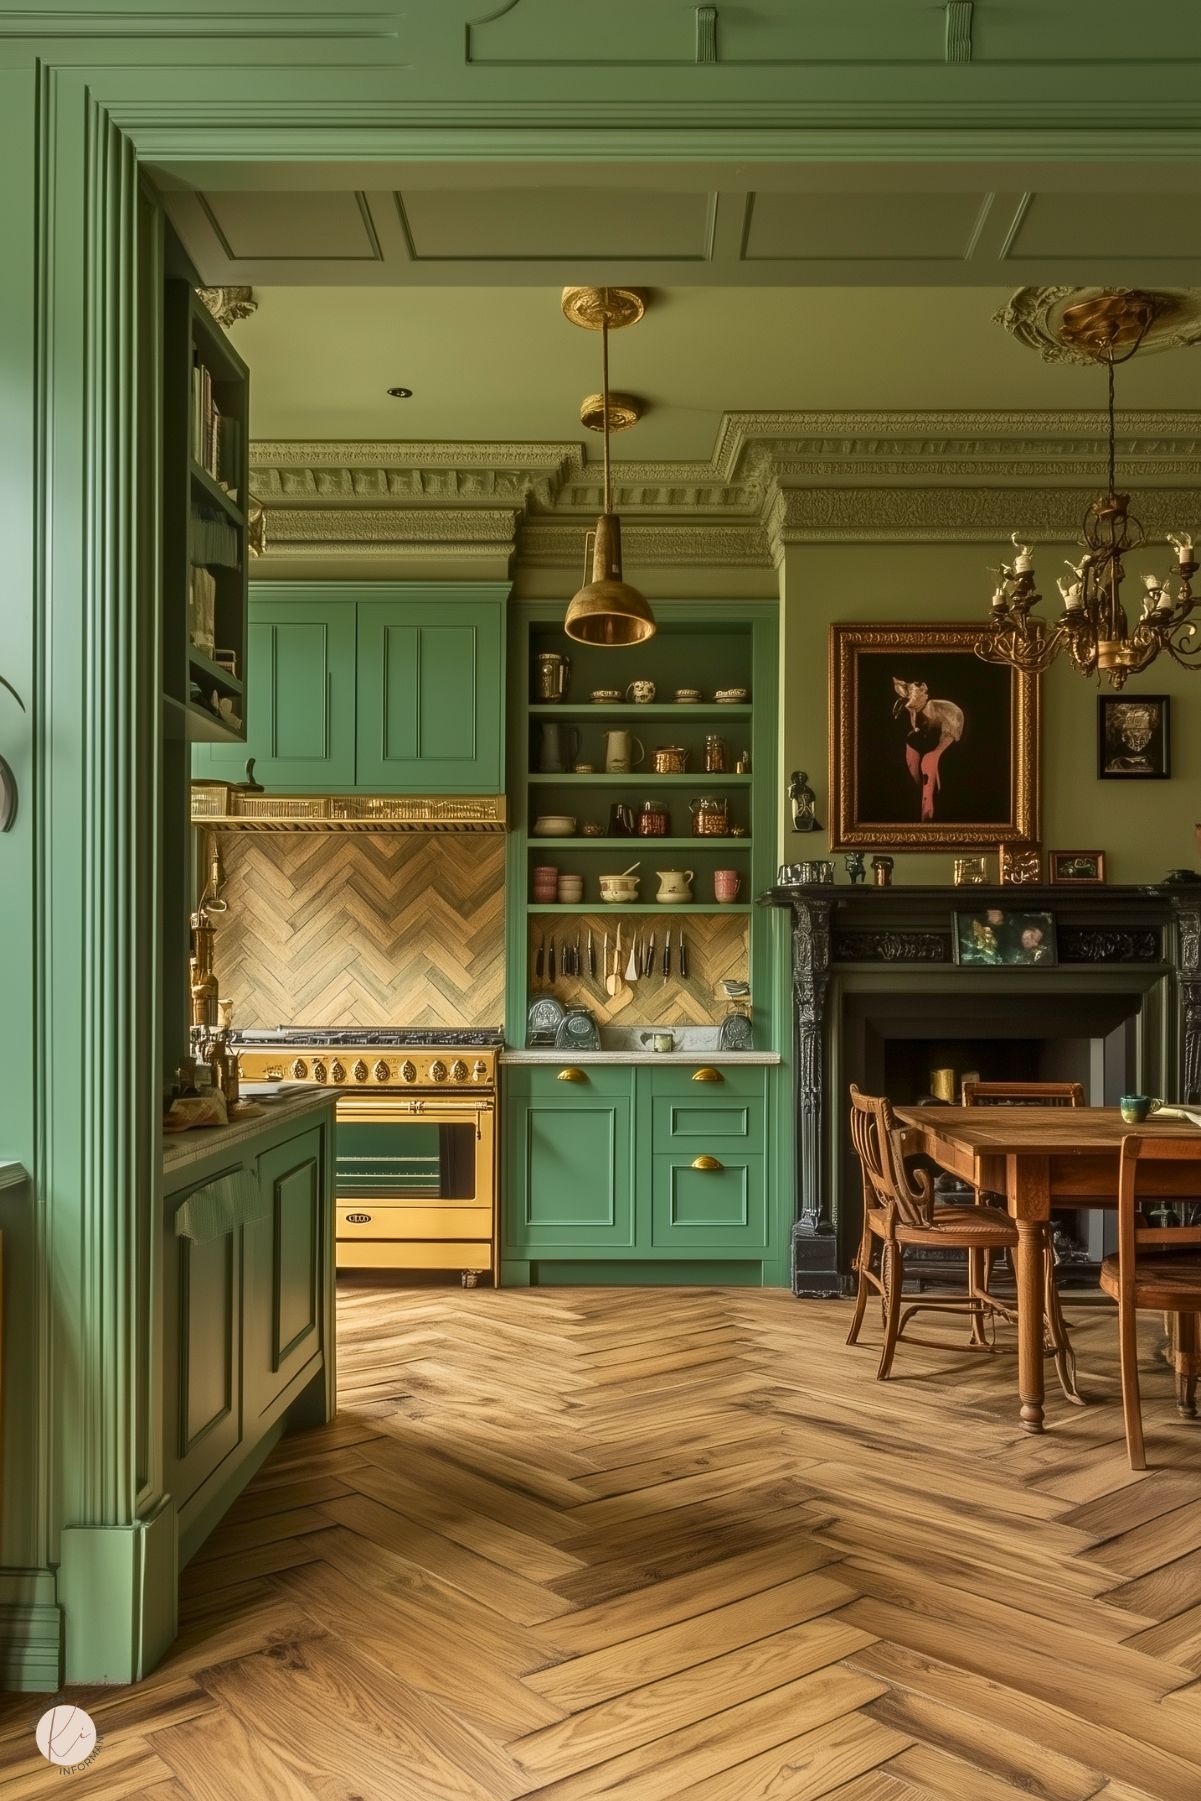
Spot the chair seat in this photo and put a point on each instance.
(1168, 1284)
(958, 1228)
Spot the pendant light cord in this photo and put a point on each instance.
(605, 397)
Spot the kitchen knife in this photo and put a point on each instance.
(682, 959)
(575, 957)
(591, 958)
(550, 962)
(666, 954)
(649, 963)
(539, 961)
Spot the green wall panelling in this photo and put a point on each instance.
(430, 695)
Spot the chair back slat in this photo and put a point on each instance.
(1132, 1233)
(1023, 1094)
(876, 1137)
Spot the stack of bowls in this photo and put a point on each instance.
(544, 883)
(571, 889)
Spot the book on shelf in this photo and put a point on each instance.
(202, 609)
(216, 437)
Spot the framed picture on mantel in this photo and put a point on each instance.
(930, 748)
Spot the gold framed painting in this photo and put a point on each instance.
(930, 747)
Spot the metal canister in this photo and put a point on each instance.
(669, 759)
(715, 754)
(710, 817)
(654, 821)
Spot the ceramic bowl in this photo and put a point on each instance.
(553, 825)
(729, 696)
(605, 696)
(619, 888)
(688, 695)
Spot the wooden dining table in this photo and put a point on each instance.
(1040, 1158)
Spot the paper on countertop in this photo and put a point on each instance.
(1191, 1114)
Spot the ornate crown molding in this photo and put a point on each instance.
(391, 532)
(228, 305)
(1034, 316)
(949, 514)
(541, 544)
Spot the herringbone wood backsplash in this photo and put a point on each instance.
(717, 949)
(364, 929)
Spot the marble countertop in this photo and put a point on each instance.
(684, 1056)
(182, 1148)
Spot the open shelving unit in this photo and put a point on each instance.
(699, 644)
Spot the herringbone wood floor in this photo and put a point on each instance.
(677, 1544)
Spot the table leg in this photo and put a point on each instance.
(1028, 1182)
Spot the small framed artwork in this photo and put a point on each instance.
(1133, 742)
(1005, 938)
(1077, 865)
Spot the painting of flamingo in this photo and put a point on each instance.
(931, 748)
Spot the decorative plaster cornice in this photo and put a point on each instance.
(950, 514)
(228, 305)
(364, 531)
(553, 545)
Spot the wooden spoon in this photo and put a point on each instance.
(632, 965)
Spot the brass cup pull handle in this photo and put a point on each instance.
(571, 1075)
(707, 1075)
(706, 1163)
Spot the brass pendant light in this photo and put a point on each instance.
(606, 610)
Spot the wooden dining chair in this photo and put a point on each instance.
(1153, 1269)
(1037, 1094)
(899, 1213)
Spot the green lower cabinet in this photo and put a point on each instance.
(570, 1184)
(708, 1205)
(202, 1314)
(283, 1272)
(640, 1171)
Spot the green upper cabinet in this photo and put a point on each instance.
(430, 695)
(389, 688)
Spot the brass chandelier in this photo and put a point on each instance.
(1094, 629)
(607, 610)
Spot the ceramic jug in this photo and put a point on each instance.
(551, 671)
(674, 884)
(620, 755)
(550, 746)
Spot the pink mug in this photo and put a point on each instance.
(726, 884)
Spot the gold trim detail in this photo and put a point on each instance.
(230, 808)
(624, 410)
(849, 833)
(707, 1163)
(708, 1075)
(594, 307)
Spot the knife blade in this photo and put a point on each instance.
(667, 954)
(550, 962)
(576, 963)
(649, 965)
(683, 957)
(539, 961)
(591, 957)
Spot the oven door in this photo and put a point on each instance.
(415, 1184)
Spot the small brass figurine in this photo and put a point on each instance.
(803, 799)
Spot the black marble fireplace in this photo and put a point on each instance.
(879, 1000)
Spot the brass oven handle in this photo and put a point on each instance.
(706, 1163)
(571, 1075)
(707, 1075)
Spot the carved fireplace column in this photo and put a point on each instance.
(814, 1243)
(1188, 969)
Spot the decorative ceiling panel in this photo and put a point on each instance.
(528, 222)
(862, 227)
(1059, 227)
(286, 227)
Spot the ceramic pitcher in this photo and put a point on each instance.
(620, 755)
(550, 746)
(674, 884)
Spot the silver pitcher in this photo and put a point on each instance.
(552, 672)
(550, 746)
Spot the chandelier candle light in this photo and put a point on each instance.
(1093, 627)
(607, 610)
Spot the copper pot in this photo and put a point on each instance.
(710, 818)
(669, 759)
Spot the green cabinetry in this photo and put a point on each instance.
(387, 688)
(639, 1165)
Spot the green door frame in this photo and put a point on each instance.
(92, 97)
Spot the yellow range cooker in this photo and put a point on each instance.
(416, 1138)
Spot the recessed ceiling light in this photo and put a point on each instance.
(401, 393)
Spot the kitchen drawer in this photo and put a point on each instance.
(375, 1253)
(695, 1122)
(697, 1212)
(364, 1220)
(747, 1081)
(541, 1081)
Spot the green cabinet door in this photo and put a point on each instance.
(708, 1205)
(570, 1188)
(202, 1305)
(283, 1272)
(300, 696)
(430, 687)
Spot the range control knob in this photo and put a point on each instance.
(318, 1071)
(359, 1071)
(300, 1069)
(479, 1070)
(437, 1070)
(458, 1070)
(408, 1071)
(380, 1072)
(337, 1071)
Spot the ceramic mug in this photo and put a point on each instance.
(727, 884)
(660, 1041)
(1136, 1107)
(641, 692)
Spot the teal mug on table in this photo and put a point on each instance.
(1136, 1107)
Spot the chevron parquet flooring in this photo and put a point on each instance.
(677, 1545)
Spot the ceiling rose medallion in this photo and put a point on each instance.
(606, 610)
(1105, 326)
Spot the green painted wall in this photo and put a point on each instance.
(1144, 828)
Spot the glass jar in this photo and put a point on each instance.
(710, 817)
(654, 821)
(715, 754)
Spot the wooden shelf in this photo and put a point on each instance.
(640, 777)
(664, 909)
(196, 725)
(613, 845)
(625, 709)
(212, 490)
(220, 678)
